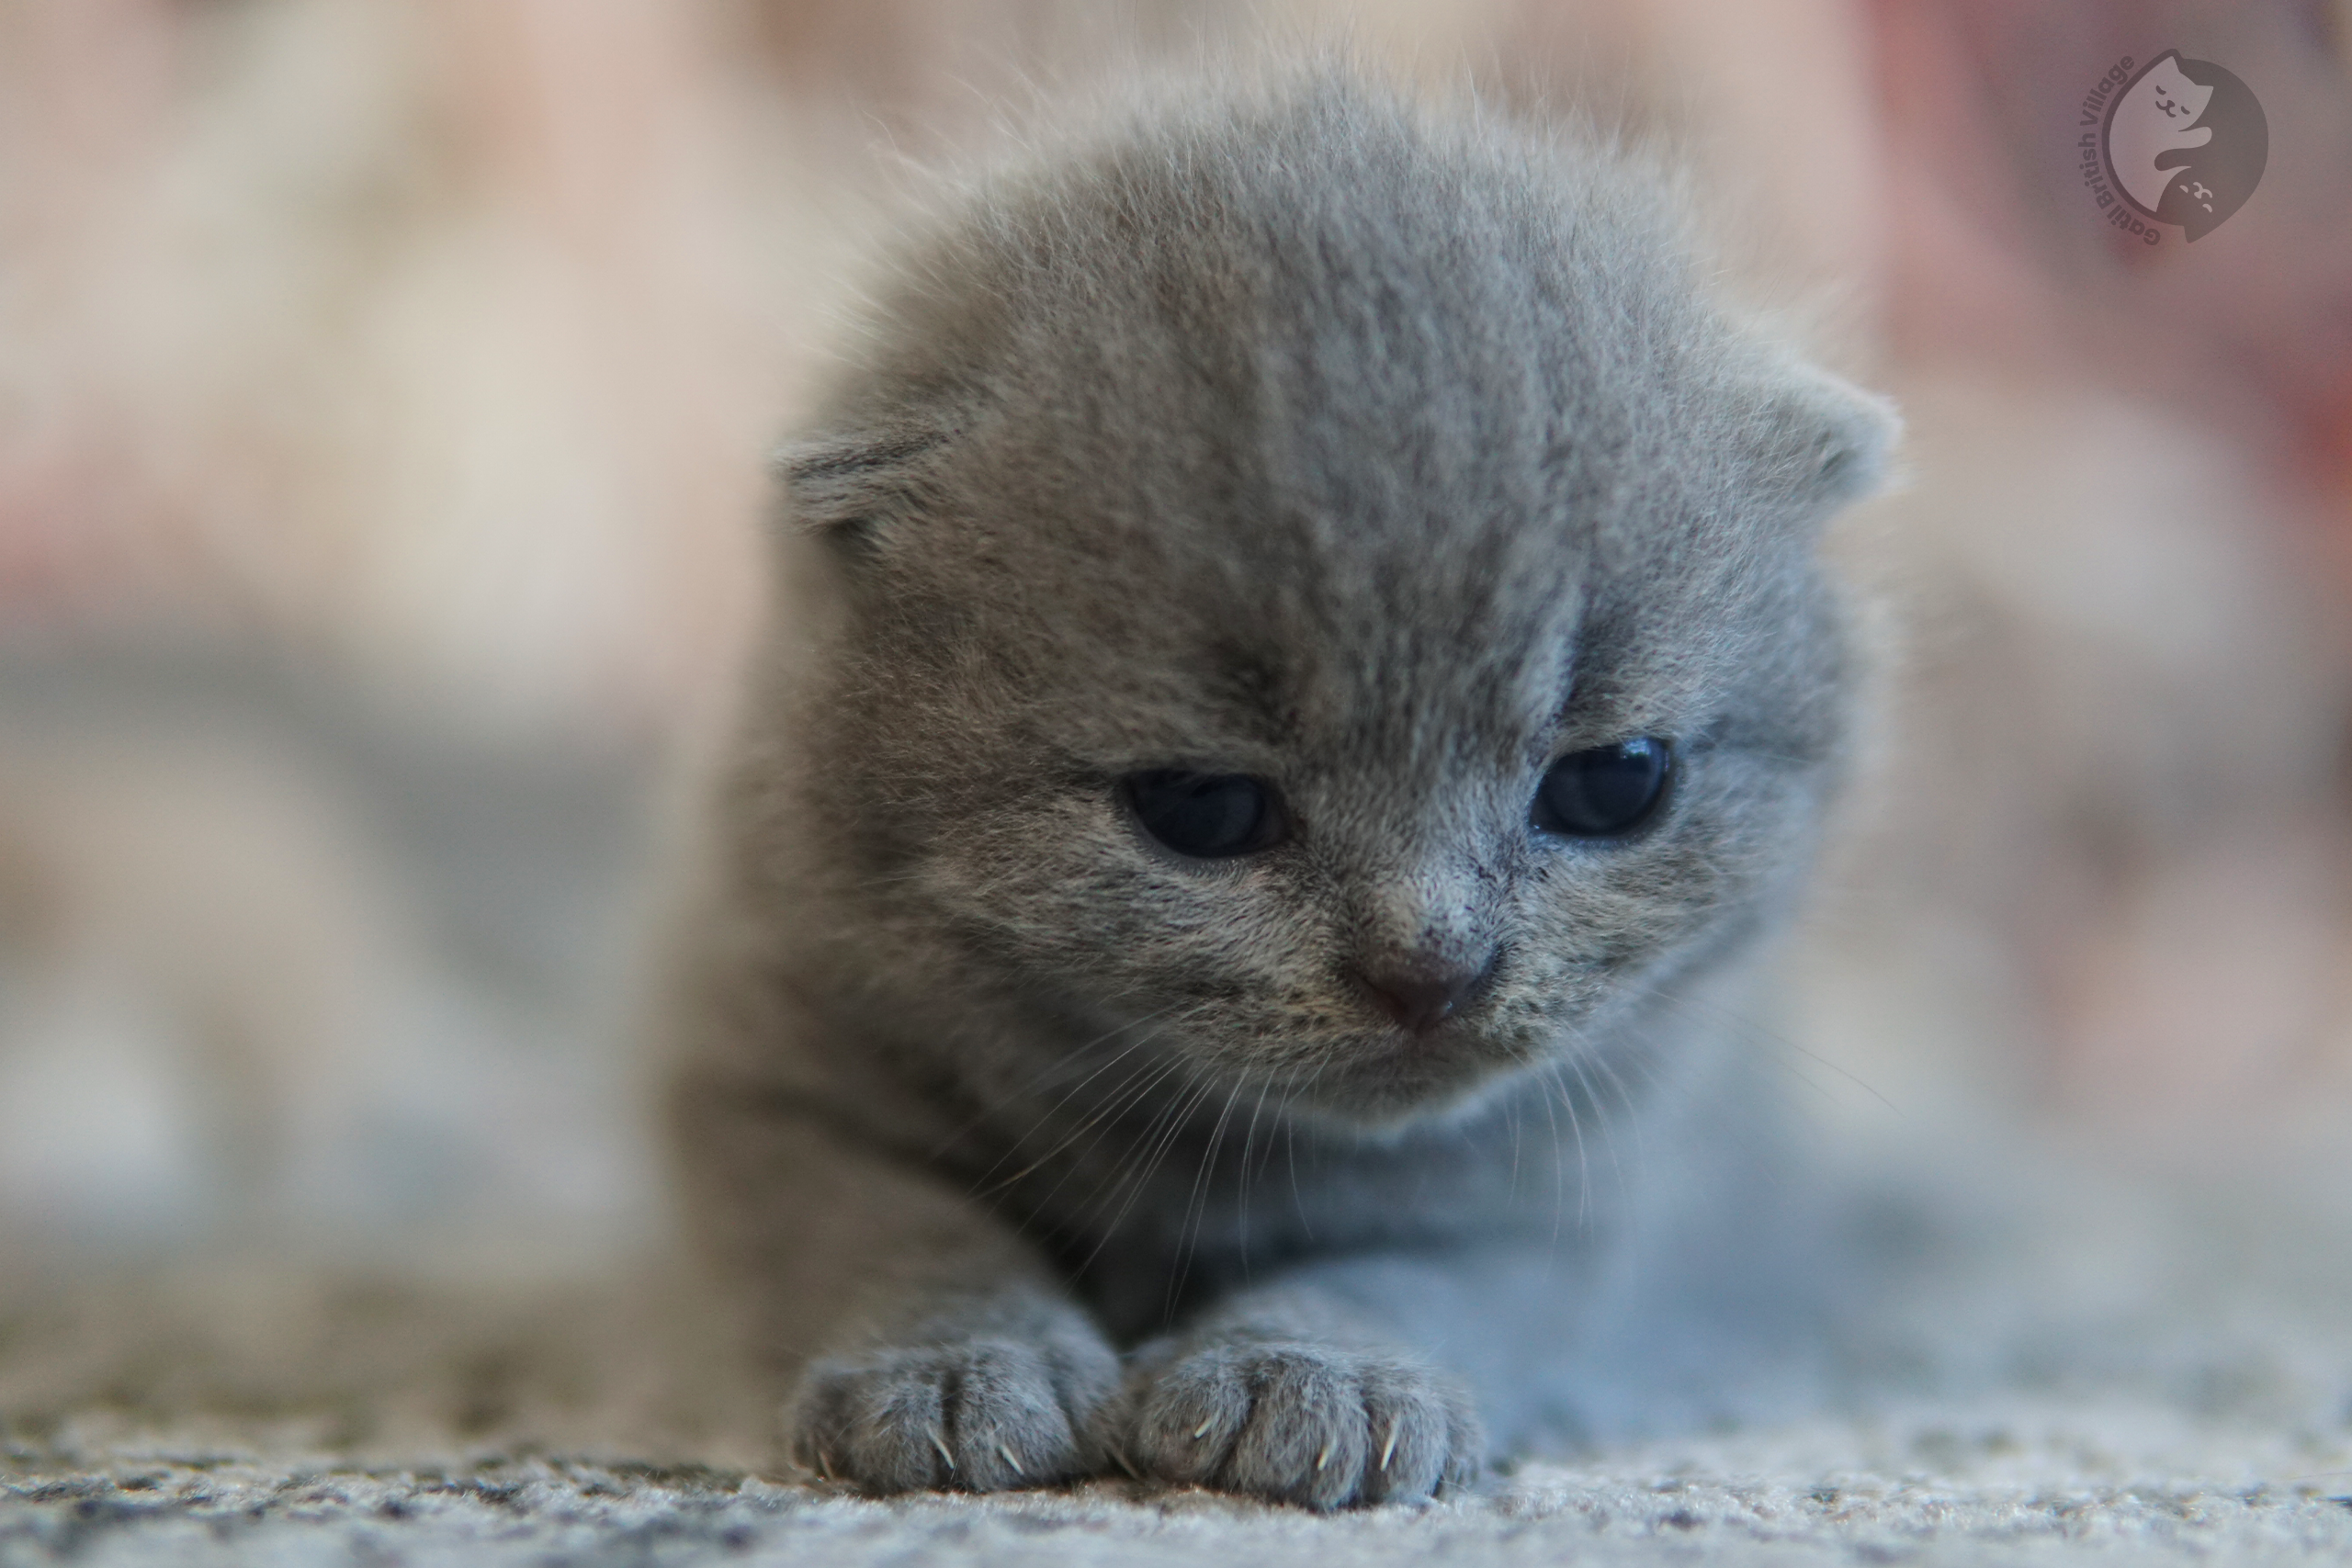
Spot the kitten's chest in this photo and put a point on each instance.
(1173, 1200)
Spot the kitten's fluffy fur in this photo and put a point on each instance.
(1306, 437)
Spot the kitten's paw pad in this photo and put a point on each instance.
(979, 1417)
(1305, 1424)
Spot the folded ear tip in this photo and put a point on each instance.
(845, 487)
(1830, 442)
(1857, 456)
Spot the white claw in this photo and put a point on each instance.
(1390, 1448)
(941, 1444)
(825, 1465)
(1202, 1429)
(1010, 1459)
(1125, 1464)
(1323, 1458)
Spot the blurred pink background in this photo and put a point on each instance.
(383, 406)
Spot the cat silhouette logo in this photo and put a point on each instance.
(2185, 143)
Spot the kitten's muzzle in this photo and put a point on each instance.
(1421, 991)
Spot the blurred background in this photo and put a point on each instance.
(384, 392)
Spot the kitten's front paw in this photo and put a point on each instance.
(982, 1415)
(1302, 1423)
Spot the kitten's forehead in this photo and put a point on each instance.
(1380, 399)
(1399, 345)
(1330, 424)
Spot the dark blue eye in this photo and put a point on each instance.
(1606, 792)
(1207, 815)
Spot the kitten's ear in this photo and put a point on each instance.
(852, 487)
(1819, 442)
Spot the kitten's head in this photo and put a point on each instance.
(1328, 586)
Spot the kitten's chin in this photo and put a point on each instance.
(1405, 1089)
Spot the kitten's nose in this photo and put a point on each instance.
(1422, 992)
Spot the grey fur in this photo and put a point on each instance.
(1305, 435)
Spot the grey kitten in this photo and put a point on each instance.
(1305, 662)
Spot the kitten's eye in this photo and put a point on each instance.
(1207, 815)
(1605, 791)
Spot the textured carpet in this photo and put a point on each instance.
(2014, 1486)
(2098, 1370)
